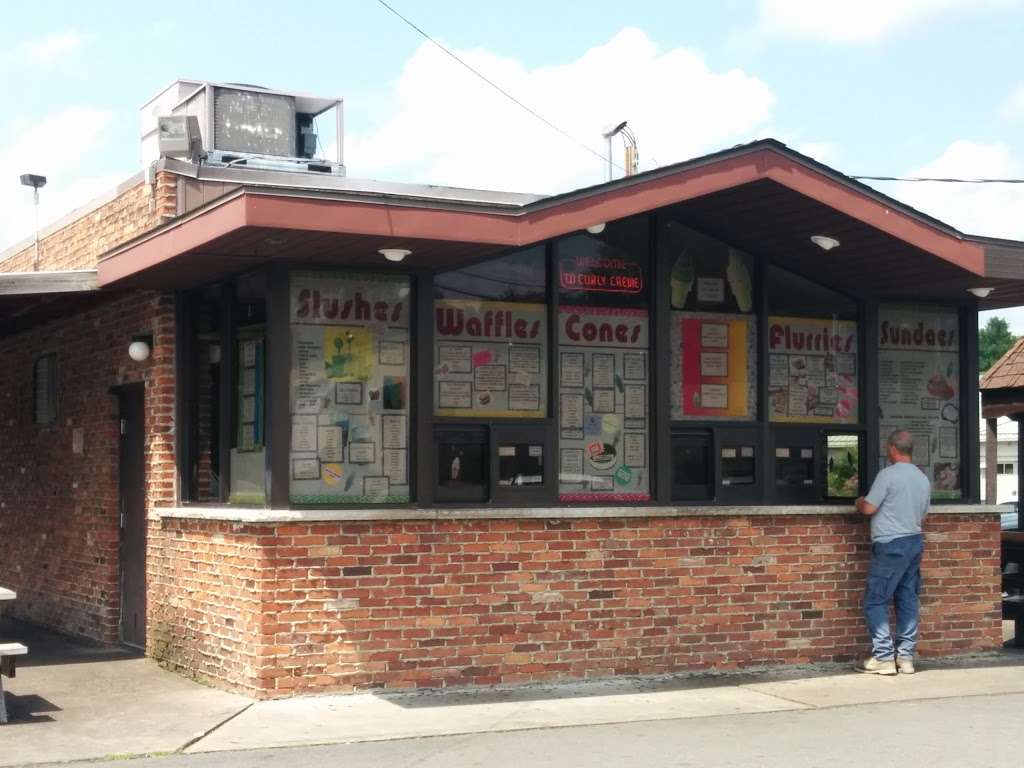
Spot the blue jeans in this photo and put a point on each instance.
(895, 572)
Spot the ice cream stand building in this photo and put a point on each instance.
(391, 435)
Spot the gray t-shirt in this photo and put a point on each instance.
(902, 493)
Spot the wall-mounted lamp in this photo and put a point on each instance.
(394, 254)
(981, 293)
(140, 348)
(825, 242)
(596, 229)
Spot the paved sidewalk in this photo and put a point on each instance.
(379, 717)
(78, 702)
(74, 701)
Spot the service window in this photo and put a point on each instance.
(740, 465)
(794, 472)
(463, 464)
(520, 464)
(842, 462)
(693, 471)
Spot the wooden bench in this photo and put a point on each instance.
(9, 653)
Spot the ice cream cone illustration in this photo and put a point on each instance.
(739, 281)
(681, 279)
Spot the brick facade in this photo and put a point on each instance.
(275, 609)
(81, 243)
(59, 523)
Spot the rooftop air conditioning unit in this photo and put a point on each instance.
(245, 126)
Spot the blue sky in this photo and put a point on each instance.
(872, 87)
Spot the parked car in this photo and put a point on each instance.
(1008, 516)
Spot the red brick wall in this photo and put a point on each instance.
(282, 608)
(58, 509)
(80, 244)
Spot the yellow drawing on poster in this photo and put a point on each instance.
(332, 473)
(348, 353)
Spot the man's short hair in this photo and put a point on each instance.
(903, 442)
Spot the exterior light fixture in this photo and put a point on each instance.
(825, 242)
(607, 134)
(394, 254)
(981, 293)
(140, 348)
(596, 229)
(37, 182)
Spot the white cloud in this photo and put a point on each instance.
(448, 127)
(1012, 107)
(996, 210)
(854, 21)
(47, 50)
(56, 147)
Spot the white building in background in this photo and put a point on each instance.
(1006, 464)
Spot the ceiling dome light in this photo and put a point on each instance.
(981, 293)
(596, 229)
(825, 242)
(394, 254)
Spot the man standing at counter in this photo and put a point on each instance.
(897, 503)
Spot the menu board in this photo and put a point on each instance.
(812, 370)
(714, 365)
(603, 404)
(349, 389)
(490, 358)
(919, 388)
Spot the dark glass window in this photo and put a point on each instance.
(705, 274)
(791, 294)
(794, 466)
(462, 464)
(739, 465)
(842, 465)
(692, 469)
(609, 269)
(519, 276)
(520, 464)
(44, 389)
(205, 371)
(248, 459)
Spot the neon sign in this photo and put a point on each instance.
(599, 273)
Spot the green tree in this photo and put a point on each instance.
(993, 341)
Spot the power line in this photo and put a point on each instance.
(502, 91)
(938, 179)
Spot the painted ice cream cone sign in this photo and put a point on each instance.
(681, 279)
(739, 280)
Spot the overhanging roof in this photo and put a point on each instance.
(761, 196)
(29, 297)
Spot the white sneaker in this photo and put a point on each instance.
(905, 664)
(873, 666)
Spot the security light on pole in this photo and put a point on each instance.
(608, 133)
(36, 182)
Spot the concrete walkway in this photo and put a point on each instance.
(74, 702)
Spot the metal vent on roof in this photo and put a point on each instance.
(249, 121)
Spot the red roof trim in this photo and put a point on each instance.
(538, 221)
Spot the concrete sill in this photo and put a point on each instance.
(252, 515)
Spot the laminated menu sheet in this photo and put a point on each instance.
(349, 388)
(604, 426)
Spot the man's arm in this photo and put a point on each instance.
(868, 505)
(865, 507)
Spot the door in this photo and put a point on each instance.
(133, 515)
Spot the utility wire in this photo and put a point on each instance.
(502, 91)
(943, 180)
